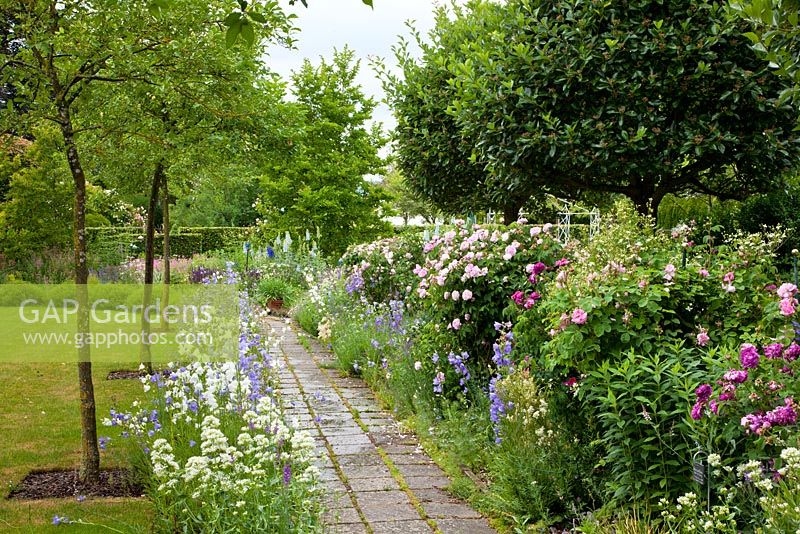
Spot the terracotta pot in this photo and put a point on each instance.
(275, 304)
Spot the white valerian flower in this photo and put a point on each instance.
(791, 457)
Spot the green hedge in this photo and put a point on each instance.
(109, 244)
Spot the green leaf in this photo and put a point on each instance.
(753, 37)
(258, 17)
(248, 33)
(233, 33)
(232, 18)
(367, 2)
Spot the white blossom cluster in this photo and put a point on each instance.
(217, 428)
(234, 468)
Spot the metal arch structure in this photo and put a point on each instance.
(565, 221)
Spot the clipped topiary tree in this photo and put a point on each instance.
(640, 98)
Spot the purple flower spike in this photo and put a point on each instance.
(287, 474)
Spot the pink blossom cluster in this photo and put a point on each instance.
(703, 337)
(727, 282)
(459, 259)
(788, 303)
(528, 300)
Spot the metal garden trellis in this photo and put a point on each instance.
(570, 212)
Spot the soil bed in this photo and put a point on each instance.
(63, 484)
(125, 375)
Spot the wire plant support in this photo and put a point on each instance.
(567, 217)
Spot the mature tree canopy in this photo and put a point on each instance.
(431, 152)
(775, 36)
(640, 98)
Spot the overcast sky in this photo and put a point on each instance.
(329, 24)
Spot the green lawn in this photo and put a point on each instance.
(39, 430)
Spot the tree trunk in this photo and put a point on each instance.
(89, 470)
(166, 251)
(145, 355)
(646, 202)
(511, 211)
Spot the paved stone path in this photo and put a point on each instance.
(377, 479)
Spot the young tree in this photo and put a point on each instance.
(321, 184)
(66, 49)
(200, 106)
(633, 98)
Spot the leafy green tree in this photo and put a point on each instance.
(404, 201)
(224, 198)
(321, 183)
(38, 199)
(197, 106)
(37, 206)
(432, 154)
(640, 99)
(775, 36)
(68, 47)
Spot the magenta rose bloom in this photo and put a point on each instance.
(749, 357)
(736, 376)
(783, 415)
(703, 392)
(697, 410)
(792, 352)
(773, 351)
(539, 268)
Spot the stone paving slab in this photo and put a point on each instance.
(464, 526)
(449, 510)
(396, 512)
(353, 435)
(401, 527)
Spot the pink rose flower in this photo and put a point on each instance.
(702, 337)
(669, 272)
(787, 306)
(787, 291)
(579, 316)
(466, 295)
